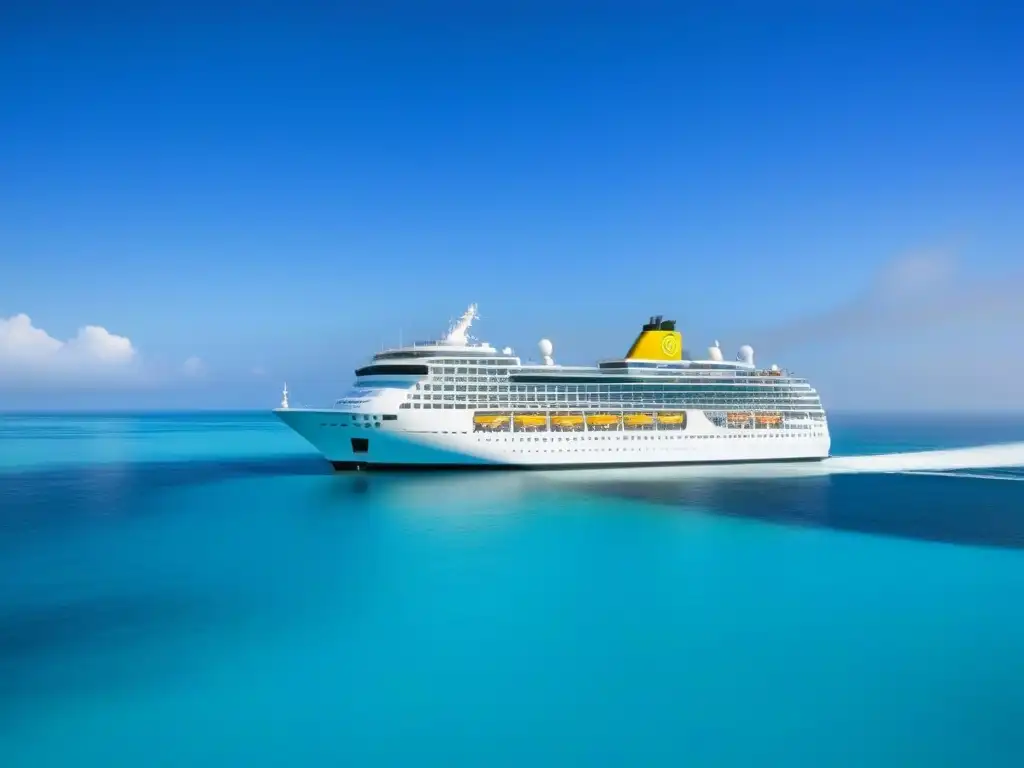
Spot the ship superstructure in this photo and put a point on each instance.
(457, 402)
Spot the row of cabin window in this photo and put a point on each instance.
(464, 374)
(786, 409)
(461, 386)
(602, 401)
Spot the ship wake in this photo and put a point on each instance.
(936, 462)
(955, 462)
(882, 494)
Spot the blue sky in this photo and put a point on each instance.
(251, 197)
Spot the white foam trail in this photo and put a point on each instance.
(974, 457)
(971, 475)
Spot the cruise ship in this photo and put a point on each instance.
(460, 403)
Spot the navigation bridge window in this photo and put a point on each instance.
(392, 369)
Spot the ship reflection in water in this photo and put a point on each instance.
(931, 507)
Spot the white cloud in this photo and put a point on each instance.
(917, 293)
(21, 341)
(194, 368)
(28, 353)
(31, 357)
(924, 334)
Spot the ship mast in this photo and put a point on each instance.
(457, 332)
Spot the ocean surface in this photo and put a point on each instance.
(201, 590)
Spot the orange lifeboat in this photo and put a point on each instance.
(567, 422)
(531, 420)
(491, 420)
(603, 419)
(638, 419)
(671, 418)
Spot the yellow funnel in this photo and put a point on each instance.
(659, 340)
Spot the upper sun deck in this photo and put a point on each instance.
(421, 350)
(680, 365)
(457, 343)
(698, 370)
(656, 353)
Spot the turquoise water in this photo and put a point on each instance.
(192, 590)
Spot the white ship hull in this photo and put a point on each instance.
(447, 439)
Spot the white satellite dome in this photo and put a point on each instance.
(746, 354)
(546, 348)
(775, 368)
(507, 351)
(715, 353)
